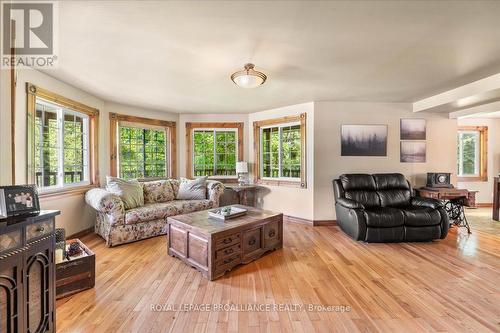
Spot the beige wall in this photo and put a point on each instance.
(323, 147)
(289, 200)
(485, 194)
(205, 118)
(328, 118)
(5, 169)
(75, 214)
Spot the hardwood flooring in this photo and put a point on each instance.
(452, 285)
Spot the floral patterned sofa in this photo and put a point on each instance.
(119, 226)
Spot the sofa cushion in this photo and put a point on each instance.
(156, 211)
(366, 198)
(384, 217)
(357, 181)
(195, 189)
(158, 191)
(393, 189)
(130, 191)
(421, 216)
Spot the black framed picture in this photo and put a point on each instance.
(413, 129)
(363, 140)
(18, 200)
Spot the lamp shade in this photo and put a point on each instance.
(248, 77)
(241, 167)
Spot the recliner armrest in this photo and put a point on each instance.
(426, 202)
(349, 203)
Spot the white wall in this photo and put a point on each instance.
(205, 118)
(485, 188)
(328, 118)
(291, 201)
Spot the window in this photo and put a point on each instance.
(280, 151)
(472, 153)
(213, 149)
(61, 142)
(215, 152)
(142, 148)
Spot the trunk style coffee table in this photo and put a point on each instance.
(215, 246)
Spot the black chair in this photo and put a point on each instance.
(381, 208)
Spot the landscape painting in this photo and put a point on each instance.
(413, 151)
(364, 140)
(413, 129)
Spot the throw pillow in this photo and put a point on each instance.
(195, 189)
(130, 191)
(158, 191)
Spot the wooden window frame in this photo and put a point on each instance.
(169, 126)
(257, 125)
(33, 92)
(483, 154)
(190, 127)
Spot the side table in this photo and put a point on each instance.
(246, 193)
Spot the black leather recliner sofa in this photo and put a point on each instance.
(380, 208)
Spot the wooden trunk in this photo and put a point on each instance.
(215, 247)
(75, 275)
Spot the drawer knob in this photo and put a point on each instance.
(227, 261)
(40, 228)
(272, 232)
(227, 240)
(252, 241)
(228, 251)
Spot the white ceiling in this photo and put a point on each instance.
(178, 56)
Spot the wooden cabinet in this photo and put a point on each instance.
(215, 247)
(27, 274)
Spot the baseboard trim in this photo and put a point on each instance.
(315, 223)
(484, 204)
(82, 233)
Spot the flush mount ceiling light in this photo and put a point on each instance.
(248, 78)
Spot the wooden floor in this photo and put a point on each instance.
(451, 285)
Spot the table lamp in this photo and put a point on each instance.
(241, 171)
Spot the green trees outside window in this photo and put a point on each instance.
(468, 154)
(61, 146)
(142, 152)
(281, 151)
(214, 152)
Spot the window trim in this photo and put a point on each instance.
(33, 92)
(483, 154)
(257, 170)
(190, 127)
(169, 126)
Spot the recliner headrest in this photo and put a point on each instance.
(391, 181)
(360, 181)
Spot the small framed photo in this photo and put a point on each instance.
(413, 129)
(18, 200)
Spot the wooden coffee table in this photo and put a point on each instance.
(214, 247)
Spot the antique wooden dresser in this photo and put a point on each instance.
(27, 273)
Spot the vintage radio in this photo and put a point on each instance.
(439, 179)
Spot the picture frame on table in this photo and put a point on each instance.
(16, 200)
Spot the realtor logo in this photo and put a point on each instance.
(28, 34)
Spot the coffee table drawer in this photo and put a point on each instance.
(228, 251)
(252, 240)
(226, 264)
(272, 235)
(227, 241)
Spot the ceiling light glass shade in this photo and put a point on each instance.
(248, 78)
